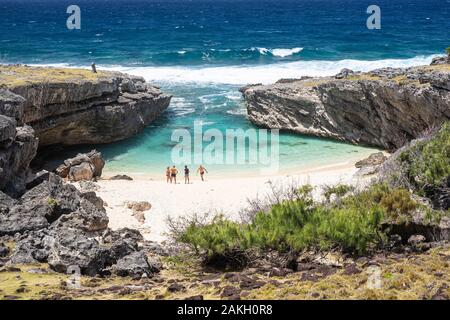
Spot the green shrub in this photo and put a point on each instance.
(447, 50)
(353, 225)
(339, 191)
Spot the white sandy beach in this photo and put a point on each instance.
(221, 195)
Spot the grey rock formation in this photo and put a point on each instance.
(135, 264)
(57, 224)
(440, 60)
(374, 159)
(18, 146)
(4, 250)
(121, 177)
(11, 105)
(109, 108)
(384, 108)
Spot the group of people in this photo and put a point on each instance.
(171, 174)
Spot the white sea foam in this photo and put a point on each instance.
(285, 52)
(268, 73)
(181, 107)
(277, 52)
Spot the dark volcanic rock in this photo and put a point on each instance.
(92, 197)
(74, 249)
(11, 105)
(57, 225)
(18, 146)
(175, 287)
(7, 130)
(4, 251)
(440, 60)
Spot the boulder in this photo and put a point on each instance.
(97, 161)
(139, 205)
(46, 203)
(375, 159)
(344, 73)
(138, 208)
(135, 264)
(4, 250)
(92, 197)
(37, 178)
(83, 167)
(83, 171)
(73, 249)
(440, 60)
(121, 177)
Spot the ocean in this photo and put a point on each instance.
(203, 51)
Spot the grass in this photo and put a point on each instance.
(416, 276)
(13, 76)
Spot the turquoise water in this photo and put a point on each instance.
(202, 51)
(219, 107)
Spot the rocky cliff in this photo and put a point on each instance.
(45, 106)
(383, 108)
(73, 106)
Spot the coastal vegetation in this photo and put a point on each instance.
(427, 162)
(355, 221)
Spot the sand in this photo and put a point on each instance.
(216, 195)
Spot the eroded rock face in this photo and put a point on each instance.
(18, 146)
(111, 107)
(384, 108)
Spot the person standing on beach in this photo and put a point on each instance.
(186, 175)
(168, 177)
(173, 174)
(202, 171)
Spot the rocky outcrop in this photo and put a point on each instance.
(441, 60)
(70, 106)
(55, 223)
(83, 167)
(384, 108)
(18, 146)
